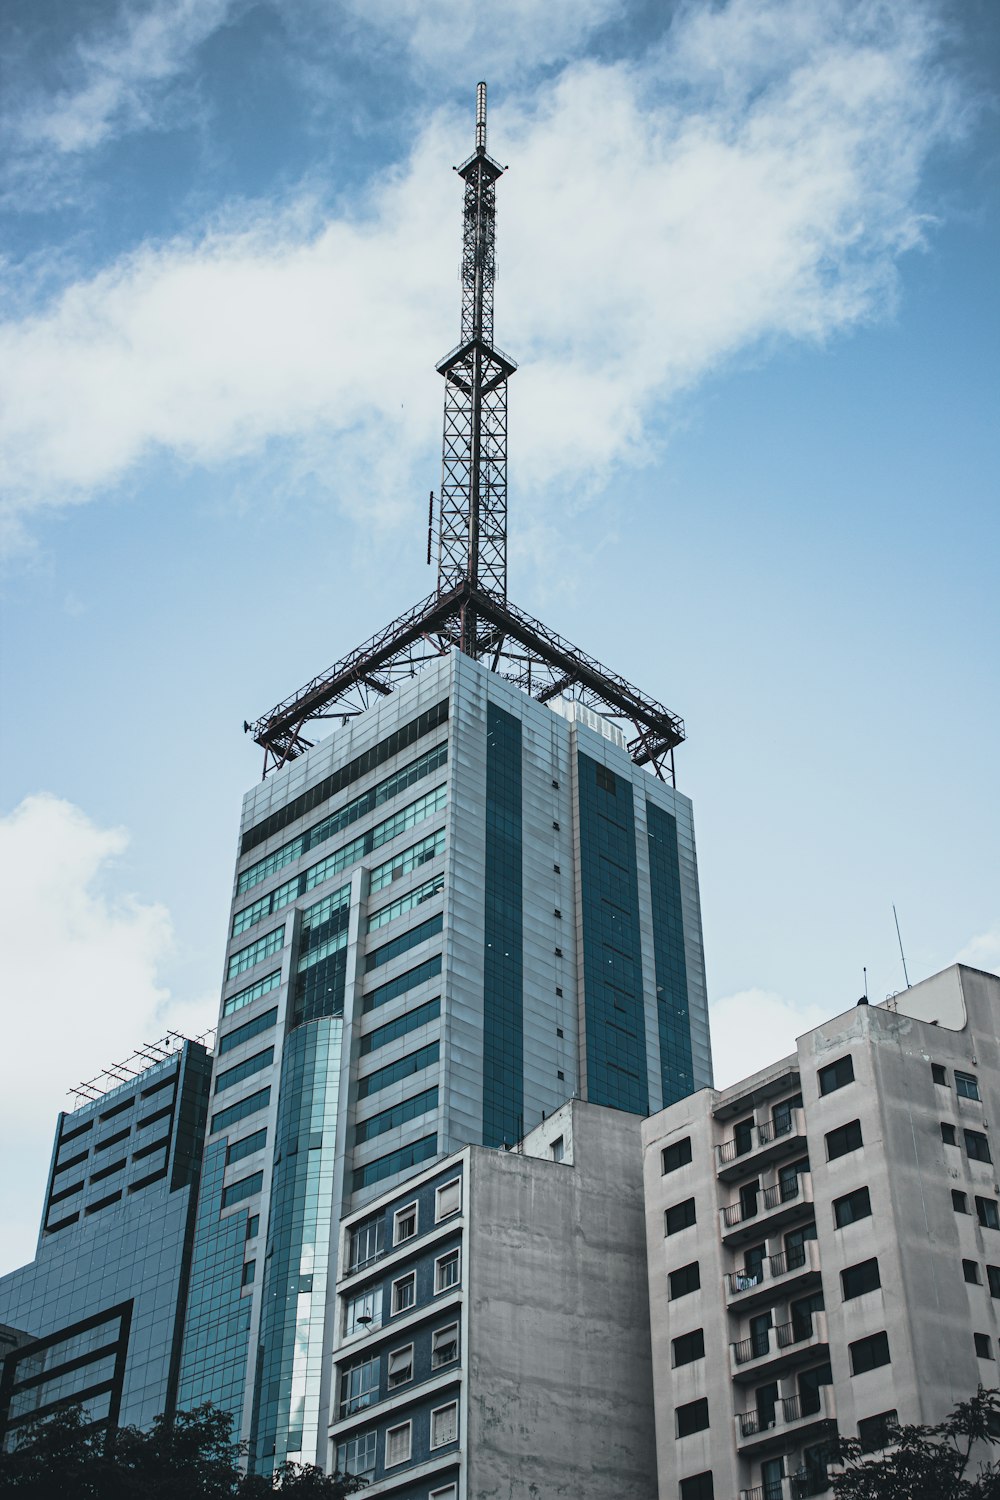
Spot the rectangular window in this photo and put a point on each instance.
(253, 992)
(404, 1293)
(357, 1455)
(993, 1280)
(404, 1067)
(229, 1077)
(253, 1225)
(977, 1146)
(367, 1242)
(394, 1161)
(698, 1487)
(236, 1192)
(450, 1492)
(983, 1348)
(844, 1139)
(868, 1354)
(398, 1114)
(679, 1216)
(688, 1347)
(447, 1271)
(836, 1074)
(987, 1213)
(448, 1199)
(400, 1367)
(363, 1312)
(558, 1149)
(263, 948)
(240, 1034)
(444, 1425)
(938, 1074)
(392, 1030)
(444, 1345)
(948, 1135)
(359, 1385)
(970, 1270)
(249, 1270)
(251, 1105)
(417, 897)
(684, 1280)
(408, 859)
(877, 1431)
(966, 1085)
(959, 1202)
(246, 1147)
(393, 988)
(404, 1223)
(692, 1417)
(422, 933)
(856, 1280)
(397, 1445)
(852, 1206)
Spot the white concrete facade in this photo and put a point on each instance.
(824, 1243)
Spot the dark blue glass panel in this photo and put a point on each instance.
(676, 1067)
(503, 1037)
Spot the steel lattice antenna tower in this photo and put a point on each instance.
(472, 516)
(470, 609)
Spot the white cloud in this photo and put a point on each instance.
(80, 961)
(755, 1028)
(754, 180)
(118, 74)
(982, 951)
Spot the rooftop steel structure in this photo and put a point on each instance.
(470, 609)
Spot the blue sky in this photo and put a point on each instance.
(747, 264)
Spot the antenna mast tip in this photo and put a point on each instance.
(480, 116)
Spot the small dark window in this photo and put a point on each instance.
(249, 1268)
(743, 1136)
(856, 1205)
(938, 1074)
(684, 1280)
(987, 1213)
(253, 1224)
(692, 1417)
(698, 1487)
(977, 1146)
(993, 1280)
(556, 912)
(677, 1155)
(679, 1216)
(836, 1074)
(983, 1349)
(948, 1134)
(856, 1280)
(554, 782)
(559, 953)
(558, 989)
(842, 1140)
(556, 870)
(877, 1431)
(555, 825)
(559, 1031)
(959, 1202)
(869, 1353)
(560, 1074)
(606, 781)
(688, 1347)
(966, 1085)
(970, 1270)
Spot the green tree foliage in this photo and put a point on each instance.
(927, 1463)
(64, 1457)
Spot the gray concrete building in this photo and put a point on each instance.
(824, 1243)
(492, 1323)
(96, 1318)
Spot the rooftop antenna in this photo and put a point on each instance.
(900, 941)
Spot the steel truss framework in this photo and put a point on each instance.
(470, 610)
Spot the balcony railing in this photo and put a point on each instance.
(771, 1267)
(781, 1123)
(785, 1410)
(765, 1202)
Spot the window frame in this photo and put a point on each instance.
(391, 1354)
(454, 1254)
(842, 1131)
(985, 1340)
(959, 1201)
(682, 1207)
(436, 1334)
(689, 1359)
(967, 1093)
(698, 1406)
(437, 1411)
(870, 1341)
(846, 1198)
(703, 1492)
(667, 1153)
(441, 1214)
(850, 1274)
(673, 1296)
(982, 1150)
(987, 1212)
(970, 1272)
(390, 1432)
(396, 1307)
(399, 1213)
(828, 1077)
(372, 1295)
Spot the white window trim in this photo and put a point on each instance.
(410, 1276)
(450, 1492)
(451, 1183)
(406, 1427)
(446, 1328)
(454, 1253)
(436, 1412)
(415, 1206)
(375, 1293)
(390, 1383)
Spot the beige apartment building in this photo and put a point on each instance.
(824, 1243)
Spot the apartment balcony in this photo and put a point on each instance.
(791, 1487)
(766, 1212)
(780, 1349)
(776, 1276)
(792, 1419)
(781, 1136)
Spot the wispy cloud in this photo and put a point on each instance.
(80, 965)
(755, 1028)
(754, 179)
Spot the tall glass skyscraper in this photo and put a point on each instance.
(460, 910)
